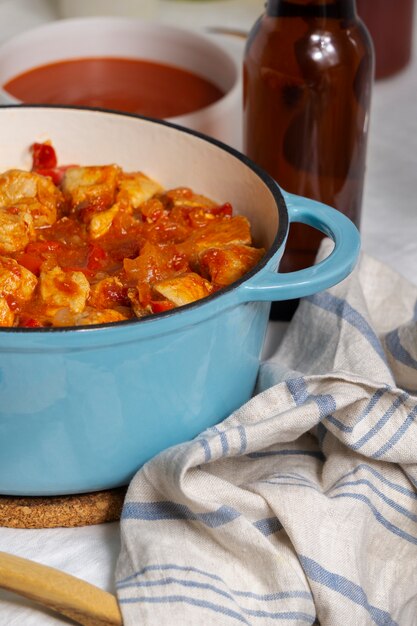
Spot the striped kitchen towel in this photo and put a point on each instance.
(301, 507)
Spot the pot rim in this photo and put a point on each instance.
(225, 293)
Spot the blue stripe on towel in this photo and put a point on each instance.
(294, 476)
(374, 472)
(217, 608)
(298, 479)
(391, 503)
(223, 440)
(277, 482)
(243, 439)
(225, 443)
(185, 582)
(287, 615)
(317, 454)
(340, 425)
(378, 516)
(268, 526)
(345, 311)
(299, 391)
(279, 595)
(168, 566)
(207, 452)
(295, 615)
(170, 580)
(397, 436)
(166, 510)
(398, 351)
(369, 407)
(345, 587)
(381, 422)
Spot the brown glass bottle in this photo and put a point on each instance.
(308, 72)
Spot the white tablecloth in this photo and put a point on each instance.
(389, 233)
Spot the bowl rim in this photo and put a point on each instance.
(279, 239)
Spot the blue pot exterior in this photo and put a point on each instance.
(85, 418)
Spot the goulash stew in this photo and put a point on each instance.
(92, 245)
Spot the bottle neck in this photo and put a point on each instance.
(336, 9)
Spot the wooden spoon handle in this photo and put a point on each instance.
(82, 602)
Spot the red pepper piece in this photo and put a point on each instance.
(158, 306)
(224, 210)
(43, 157)
(30, 322)
(31, 262)
(56, 174)
(35, 254)
(42, 247)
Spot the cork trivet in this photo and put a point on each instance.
(62, 511)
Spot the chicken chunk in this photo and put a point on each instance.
(107, 293)
(183, 289)
(227, 264)
(60, 289)
(32, 193)
(16, 229)
(137, 188)
(7, 316)
(138, 308)
(17, 285)
(102, 221)
(218, 233)
(149, 266)
(154, 264)
(15, 280)
(184, 196)
(87, 317)
(92, 186)
(93, 316)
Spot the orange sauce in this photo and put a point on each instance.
(136, 86)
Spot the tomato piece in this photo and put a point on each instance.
(96, 257)
(158, 306)
(43, 247)
(35, 254)
(224, 210)
(30, 322)
(43, 157)
(32, 262)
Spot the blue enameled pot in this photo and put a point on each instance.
(81, 409)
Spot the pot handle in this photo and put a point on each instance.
(270, 285)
